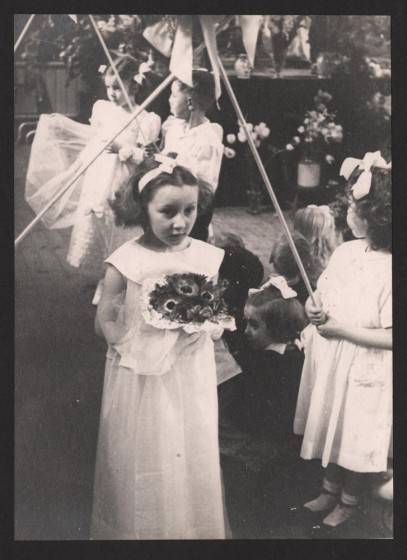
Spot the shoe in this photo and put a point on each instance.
(323, 531)
(304, 516)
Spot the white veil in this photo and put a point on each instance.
(54, 161)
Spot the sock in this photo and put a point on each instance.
(343, 511)
(328, 497)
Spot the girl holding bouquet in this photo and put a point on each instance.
(157, 469)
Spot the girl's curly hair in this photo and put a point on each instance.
(375, 207)
(130, 207)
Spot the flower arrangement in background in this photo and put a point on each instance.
(318, 130)
(371, 126)
(249, 172)
(259, 132)
(189, 301)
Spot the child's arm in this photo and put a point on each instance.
(378, 338)
(107, 311)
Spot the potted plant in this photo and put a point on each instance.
(314, 140)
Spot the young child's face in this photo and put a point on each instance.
(178, 102)
(256, 328)
(356, 224)
(114, 91)
(172, 213)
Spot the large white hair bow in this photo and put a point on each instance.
(362, 186)
(143, 69)
(167, 166)
(278, 282)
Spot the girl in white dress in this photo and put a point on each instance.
(62, 146)
(157, 468)
(190, 134)
(344, 405)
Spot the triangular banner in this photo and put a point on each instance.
(250, 29)
(182, 52)
(208, 29)
(160, 36)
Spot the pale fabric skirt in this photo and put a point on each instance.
(94, 236)
(157, 468)
(344, 406)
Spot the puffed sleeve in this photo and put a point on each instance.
(98, 114)
(208, 162)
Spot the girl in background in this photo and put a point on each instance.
(284, 263)
(317, 224)
(62, 146)
(272, 370)
(344, 405)
(240, 270)
(190, 134)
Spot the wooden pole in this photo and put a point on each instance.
(265, 179)
(24, 31)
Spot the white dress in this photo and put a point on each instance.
(61, 147)
(93, 231)
(157, 468)
(344, 404)
(200, 147)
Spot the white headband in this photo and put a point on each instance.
(362, 186)
(167, 166)
(278, 282)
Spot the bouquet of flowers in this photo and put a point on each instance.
(318, 130)
(189, 301)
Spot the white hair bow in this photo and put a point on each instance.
(167, 166)
(278, 282)
(143, 69)
(362, 186)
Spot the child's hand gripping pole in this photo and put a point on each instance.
(266, 179)
(314, 311)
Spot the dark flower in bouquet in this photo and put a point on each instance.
(190, 301)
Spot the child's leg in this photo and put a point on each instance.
(331, 488)
(349, 501)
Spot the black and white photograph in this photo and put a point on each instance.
(203, 277)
